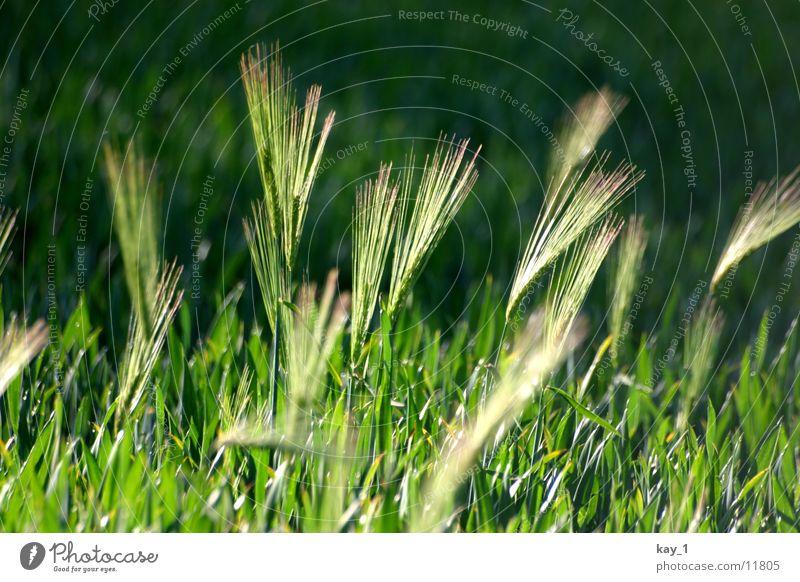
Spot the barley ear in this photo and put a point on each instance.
(135, 201)
(235, 403)
(317, 326)
(272, 272)
(565, 219)
(144, 346)
(573, 277)
(446, 182)
(18, 346)
(773, 209)
(578, 135)
(287, 150)
(575, 197)
(374, 224)
(701, 345)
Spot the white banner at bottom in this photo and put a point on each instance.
(389, 557)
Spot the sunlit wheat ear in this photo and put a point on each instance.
(7, 221)
(18, 346)
(702, 341)
(143, 348)
(135, 201)
(626, 272)
(272, 272)
(374, 223)
(287, 151)
(572, 278)
(530, 362)
(446, 181)
(316, 328)
(580, 131)
(565, 218)
(773, 209)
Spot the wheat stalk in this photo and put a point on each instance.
(272, 272)
(773, 209)
(311, 336)
(314, 333)
(374, 224)
(702, 341)
(288, 158)
(442, 190)
(288, 161)
(144, 346)
(564, 219)
(135, 217)
(626, 273)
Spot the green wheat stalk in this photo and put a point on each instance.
(627, 269)
(316, 327)
(286, 150)
(311, 331)
(135, 204)
(576, 197)
(445, 183)
(374, 224)
(315, 331)
(144, 345)
(288, 161)
(700, 351)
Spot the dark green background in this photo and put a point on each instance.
(87, 80)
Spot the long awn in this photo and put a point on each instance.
(773, 209)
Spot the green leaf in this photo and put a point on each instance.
(752, 484)
(585, 412)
